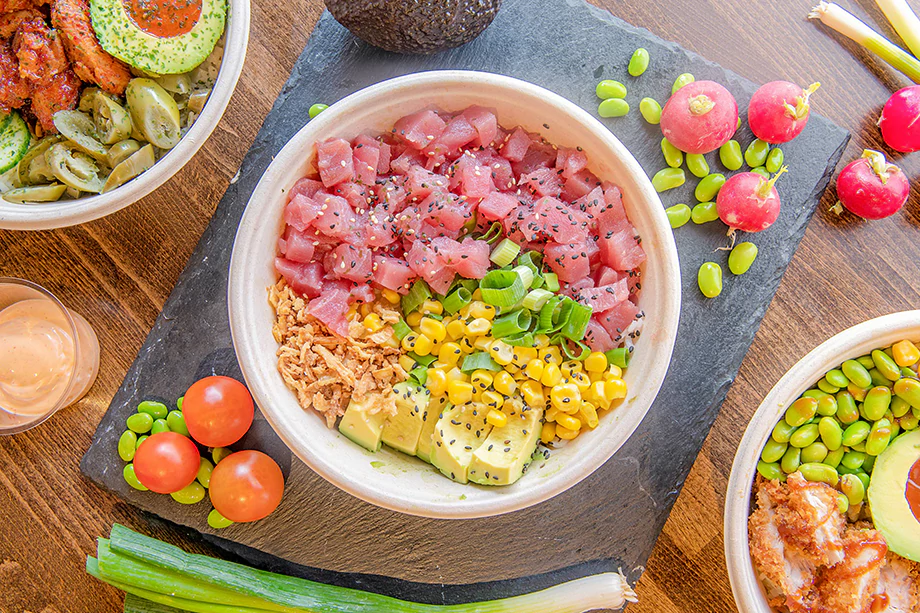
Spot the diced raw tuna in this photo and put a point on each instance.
(335, 161)
(383, 161)
(392, 273)
(296, 246)
(391, 193)
(468, 259)
(475, 179)
(485, 123)
(597, 337)
(330, 307)
(305, 187)
(446, 210)
(457, 133)
(613, 212)
(560, 222)
(591, 203)
(381, 229)
(339, 220)
(572, 161)
(568, 261)
(543, 182)
(306, 279)
(579, 185)
(354, 193)
(301, 211)
(362, 293)
(421, 183)
(515, 148)
(605, 297)
(366, 153)
(502, 175)
(539, 155)
(497, 206)
(620, 249)
(406, 160)
(419, 129)
(350, 262)
(605, 275)
(618, 319)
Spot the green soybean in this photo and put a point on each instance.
(609, 89)
(651, 110)
(218, 521)
(614, 107)
(831, 433)
(760, 170)
(860, 446)
(673, 156)
(856, 433)
(876, 404)
(773, 451)
(864, 477)
(909, 422)
(804, 436)
(774, 160)
(879, 437)
(878, 379)
(668, 178)
(682, 80)
(866, 361)
(857, 374)
(782, 432)
(852, 487)
(907, 372)
(819, 473)
(847, 412)
(140, 441)
(697, 165)
(156, 409)
(816, 394)
(638, 63)
(219, 453)
(791, 460)
(886, 365)
(316, 109)
(816, 452)
(837, 378)
(709, 186)
(127, 445)
(131, 478)
(176, 422)
(158, 426)
(869, 464)
(179, 402)
(678, 215)
(899, 406)
(833, 457)
(204, 472)
(730, 155)
(801, 411)
(895, 429)
(769, 470)
(843, 503)
(704, 212)
(827, 406)
(853, 459)
(742, 258)
(140, 422)
(824, 386)
(756, 153)
(709, 278)
(190, 494)
(909, 390)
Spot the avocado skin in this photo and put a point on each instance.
(891, 513)
(419, 28)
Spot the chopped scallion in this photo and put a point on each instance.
(525, 339)
(576, 323)
(502, 288)
(419, 293)
(424, 360)
(618, 357)
(505, 252)
(494, 232)
(479, 361)
(401, 329)
(456, 300)
(512, 323)
(526, 275)
(536, 299)
(419, 375)
(581, 351)
(552, 282)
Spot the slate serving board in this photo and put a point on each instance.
(609, 521)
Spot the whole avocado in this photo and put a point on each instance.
(416, 27)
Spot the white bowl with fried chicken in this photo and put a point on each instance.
(52, 55)
(750, 519)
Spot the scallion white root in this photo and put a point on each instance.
(836, 18)
(603, 591)
(904, 21)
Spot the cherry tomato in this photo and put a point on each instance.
(218, 411)
(246, 486)
(166, 462)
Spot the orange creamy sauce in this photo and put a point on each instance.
(912, 493)
(164, 18)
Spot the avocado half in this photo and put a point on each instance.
(891, 512)
(417, 27)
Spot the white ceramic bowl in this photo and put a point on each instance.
(72, 212)
(851, 343)
(406, 484)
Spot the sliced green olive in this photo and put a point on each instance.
(154, 113)
(176, 83)
(35, 193)
(111, 121)
(130, 168)
(80, 130)
(119, 152)
(197, 99)
(75, 168)
(33, 168)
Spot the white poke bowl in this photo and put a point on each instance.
(64, 213)
(407, 484)
(750, 596)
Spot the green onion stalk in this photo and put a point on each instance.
(904, 21)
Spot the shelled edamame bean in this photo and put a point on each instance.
(650, 110)
(639, 62)
(678, 215)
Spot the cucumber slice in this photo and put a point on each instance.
(14, 142)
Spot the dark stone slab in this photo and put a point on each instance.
(609, 521)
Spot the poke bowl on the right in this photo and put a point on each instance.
(822, 512)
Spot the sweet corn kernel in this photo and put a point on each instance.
(432, 306)
(455, 374)
(433, 329)
(493, 399)
(566, 397)
(501, 352)
(435, 347)
(504, 383)
(414, 319)
(569, 367)
(596, 362)
(567, 421)
(523, 355)
(588, 415)
(437, 382)
(456, 329)
(514, 370)
(366, 309)
(551, 414)
(409, 341)
(482, 310)
(615, 389)
(541, 340)
(566, 434)
(352, 312)
(497, 418)
(477, 294)
(597, 394)
(482, 343)
(533, 394)
(548, 433)
(477, 394)
(390, 296)
(534, 369)
(512, 406)
(466, 345)
(478, 327)
(406, 362)
(459, 392)
(905, 353)
(449, 353)
(551, 375)
(481, 379)
(423, 345)
(615, 371)
(392, 342)
(373, 322)
(581, 380)
(596, 376)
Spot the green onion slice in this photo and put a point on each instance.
(494, 232)
(479, 361)
(545, 321)
(552, 282)
(525, 339)
(618, 357)
(418, 375)
(502, 288)
(419, 293)
(515, 322)
(505, 252)
(401, 329)
(456, 300)
(580, 352)
(424, 360)
(526, 275)
(576, 324)
(536, 299)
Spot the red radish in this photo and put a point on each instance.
(871, 187)
(748, 202)
(899, 120)
(779, 111)
(700, 117)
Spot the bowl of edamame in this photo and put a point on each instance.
(820, 488)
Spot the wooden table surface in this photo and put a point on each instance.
(119, 271)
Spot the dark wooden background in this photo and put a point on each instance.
(119, 271)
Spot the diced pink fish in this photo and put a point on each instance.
(497, 206)
(392, 273)
(296, 246)
(334, 161)
(605, 297)
(350, 262)
(515, 148)
(419, 129)
(618, 319)
(485, 123)
(306, 279)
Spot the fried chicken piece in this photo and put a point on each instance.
(9, 6)
(9, 22)
(14, 91)
(850, 585)
(899, 585)
(59, 93)
(90, 61)
(811, 521)
(40, 52)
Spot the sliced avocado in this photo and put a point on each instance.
(362, 426)
(436, 405)
(119, 34)
(501, 459)
(459, 432)
(401, 431)
(892, 514)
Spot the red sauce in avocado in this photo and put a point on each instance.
(912, 492)
(164, 18)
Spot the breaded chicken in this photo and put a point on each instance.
(14, 91)
(90, 61)
(9, 22)
(40, 52)
(59, 93)
(850, 585)
(899, 585)
(8, 6)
